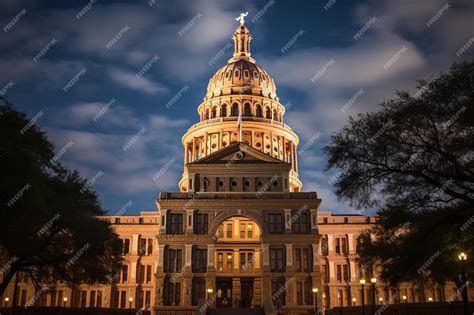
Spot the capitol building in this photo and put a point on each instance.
(239, 231)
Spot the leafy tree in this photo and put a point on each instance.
(49, 228)
(413, 160)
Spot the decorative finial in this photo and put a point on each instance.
(241, 18)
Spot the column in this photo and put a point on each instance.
(330, 244)
(188, 257)
(314, 219)
(163, 221)
(289, 257)
(210, 257)
(134, 244)
(161, 256)
(133, 272)
(350, 243)
(190, 220)
(193, 157)
(205, 144)
(287, 221)
(315, 257)
(236, 259)
(266, 256)
(284, 150)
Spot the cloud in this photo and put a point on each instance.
(129, 80)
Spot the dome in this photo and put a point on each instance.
(241, 75)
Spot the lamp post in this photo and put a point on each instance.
(315, 292)
(406, 303)
(362, 282)
(130, 299)
(353, 301)
(380, 300)
(6, 301)
(324, 303)
(462, 258)
(430, 299)
(373, 280)
(65, 301)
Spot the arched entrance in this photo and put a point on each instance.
(238, 259)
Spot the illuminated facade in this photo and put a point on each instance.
(240, 231)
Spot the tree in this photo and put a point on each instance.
(413, 160)
(49, 228)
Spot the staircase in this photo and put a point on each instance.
(235, 311)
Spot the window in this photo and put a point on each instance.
(117, 220)
(150, 247)
(199, 259)
(199, 287)
(214, 112)
(247, 110)
(268, 113)
(324, 245)
(142, 247)
(302, 259)
(344, 245)
(276, 223)
(148, 274)
(200, 223)
(242, 230)
(338, 273)
(220, 262)
(126, 246)
(229, 262)
(278, 291)
(303, 292)
(147, 299)
(324, 273)
(175, 223)
(338, 246)
(246, 261)
(60, 297)
(124, 274)
(229, 230)
(172, 293)
(300, 222)
(345, 272)
(92, 299)
(277, 260)
(53, 297)
(258, 111)
(235, 109)
(224, 111)
(250, 230)
(173, 260)
(99, 299)
(140, 273)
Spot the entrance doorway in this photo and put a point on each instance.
(224, 292)
(246, 291)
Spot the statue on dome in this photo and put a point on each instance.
(241, 18)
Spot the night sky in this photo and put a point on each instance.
(115, 84)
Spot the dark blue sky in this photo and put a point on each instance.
(44, 45)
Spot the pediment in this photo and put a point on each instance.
(238, 153)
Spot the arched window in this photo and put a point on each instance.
(268, 113)
(247, 110)
(275, 114)
(224, 111)
(235, 109)
(259, 111)
(214, 112)
(207, 113)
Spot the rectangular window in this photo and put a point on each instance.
(307, 292)
(150, 247)
(174, 223)
(338, 246)
(23, 297)
(299, 293)
(60, 298)
(305, 260)
(300, 223)
(338, 274)
(126, 246)
(199, 287)
(148, 274)
(324, 245)
(242, 230)
(201, 222)
(344, 245)
(229, 262)
(99, 299)
(140, 273)
(83, 298)
(229, 231)
(297, 259)
(325, 274)
(172, 293)
(147, 299)
(199, 260)
(278, 292)
(124, 274)
(172, 260)
(92, 299)
(142, 247)
(250, 230)
(220, 261)
(277, 260)
(140, 299)
(346, 273)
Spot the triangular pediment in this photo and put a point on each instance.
(238, 153)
